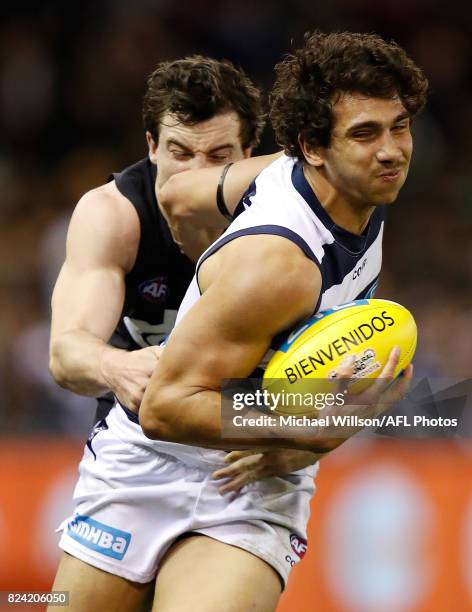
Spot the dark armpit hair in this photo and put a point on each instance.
(307, 83)
(197, 88)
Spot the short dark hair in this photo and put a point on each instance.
(197, 88)
(307, 82)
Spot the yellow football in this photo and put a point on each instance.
(366, 329)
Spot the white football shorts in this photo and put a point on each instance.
(134, 501)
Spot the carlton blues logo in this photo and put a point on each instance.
(155, 290)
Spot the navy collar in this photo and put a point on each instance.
(351, 242)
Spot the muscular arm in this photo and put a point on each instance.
(88, 297)
(254, 288)
(188, 201)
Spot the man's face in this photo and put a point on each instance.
(188, 147)
(369, 154)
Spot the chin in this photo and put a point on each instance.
(380, 199)
(390, 199)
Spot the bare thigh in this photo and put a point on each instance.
(91, 589)
(204, 575)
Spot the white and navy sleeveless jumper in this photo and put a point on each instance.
(281, 202)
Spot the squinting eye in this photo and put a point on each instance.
(180, 155)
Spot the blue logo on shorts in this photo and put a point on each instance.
(97, 536)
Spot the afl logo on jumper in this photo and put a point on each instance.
(154, 290)
(299, 545)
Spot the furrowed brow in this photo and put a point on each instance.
(221, 147)
(176, 143)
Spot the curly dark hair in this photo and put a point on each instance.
(307, 82)
(197, 88)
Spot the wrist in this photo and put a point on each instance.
(108, 365)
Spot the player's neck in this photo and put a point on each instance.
(351, 216)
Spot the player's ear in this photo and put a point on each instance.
(312, 153)
(247, 152)
(152, 147)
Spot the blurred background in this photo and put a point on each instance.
(71, 85)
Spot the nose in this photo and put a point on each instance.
(389, 150)
(198, 161)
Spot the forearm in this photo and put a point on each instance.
(196, 420)
(78, 362)
(194, 241)
(190, 197)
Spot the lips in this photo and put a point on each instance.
(390, 175)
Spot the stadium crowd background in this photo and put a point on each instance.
(71, 85)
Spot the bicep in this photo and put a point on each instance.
(101, 245)
(211, 343)
(79, 298)
(229, 329)
(240, 176)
